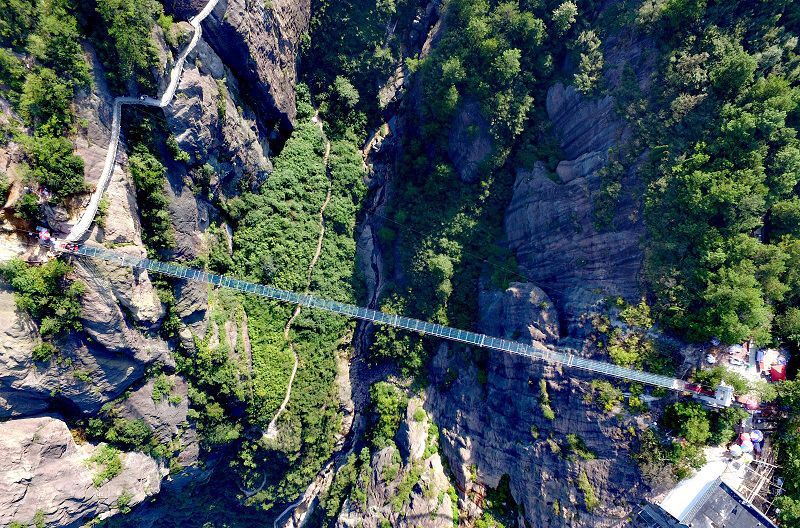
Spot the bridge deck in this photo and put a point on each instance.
(535, 351)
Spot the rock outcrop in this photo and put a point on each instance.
(550, 222)
(45, 475)
(496, 427)
(412, 466)
(523, 312)
(213, 125)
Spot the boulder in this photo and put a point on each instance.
(165, 417)
(523, 312)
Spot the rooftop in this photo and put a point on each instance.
(722, 507)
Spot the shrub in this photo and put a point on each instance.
(130, 434)
(578, 447)
(55, 166)
(389, 404)
(604, 393)
(45, 293)
(590, 499)
(27, 207)
(102, 212)
(107, 462)
(43, 351)
(124, 502)
(544, 401)
(162, 387)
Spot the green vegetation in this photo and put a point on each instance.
(689, 420)
(162, 387)
(149, 176)
(55, 166)
(694, 427)
(500, 508)
(590, 500)
(45, 293)
(102, 212)
(44, 352)
(403, 493)
(107, 464)
(124, 502)
(123, 37)
(578, 447)
(390, 405)
(46, 36)
(544, 401)
(606, 395)
(788, 446)
(349, 477)
(712, 377)
(724, 158)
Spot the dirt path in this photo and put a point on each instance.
(272, 428)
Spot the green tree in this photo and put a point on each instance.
(128, 23)
(56, 43)
(689, 420)
(46, 102)
(46, 294)
(389, 404)
(149, 177)
(590, 66)
(564, 16)
(17, 19)
(55, 165)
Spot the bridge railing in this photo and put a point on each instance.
(538, 351)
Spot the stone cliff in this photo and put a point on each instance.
(550, 222)
(259, 42)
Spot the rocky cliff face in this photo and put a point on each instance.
(497, 427)
(46, 476)
(406, 485)
(213, 125)
(259, 41)
(550, 222)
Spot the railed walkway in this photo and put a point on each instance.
(563, 356)
(82, 226)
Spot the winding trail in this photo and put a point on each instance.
(84, 223)
(272, 428)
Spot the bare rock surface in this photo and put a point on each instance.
(523, 312)
(107, 325)
(497, 428)
(259, 42)
(470, 143)
(213, 125)
(44, 471)
(551, 224)
(165, 416)
(18, 379)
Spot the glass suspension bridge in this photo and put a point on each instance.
(722, 397)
